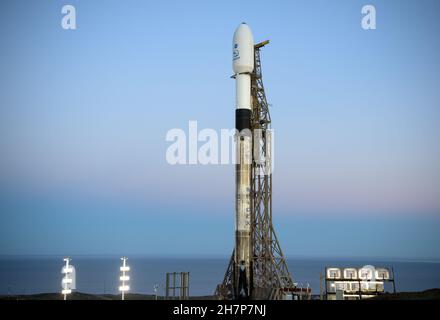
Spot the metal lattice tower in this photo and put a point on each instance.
(270, 273)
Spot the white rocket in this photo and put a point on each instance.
(243, 66)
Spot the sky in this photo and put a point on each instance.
(84, 116)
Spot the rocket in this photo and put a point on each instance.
(243, 66)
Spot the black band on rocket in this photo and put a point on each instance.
(242, 119)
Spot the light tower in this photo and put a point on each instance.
(124, 278)
(257, 256)
(68, 282)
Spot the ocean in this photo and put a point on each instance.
(97, 275)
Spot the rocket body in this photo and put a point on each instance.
(243, 65)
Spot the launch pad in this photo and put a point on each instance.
(268, 276)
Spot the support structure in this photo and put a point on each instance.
(270, 275)
(177, 281)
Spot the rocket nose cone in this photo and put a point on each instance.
(243, 26)
(243, 33)
(243, 49)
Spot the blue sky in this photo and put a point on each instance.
(84, 115)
